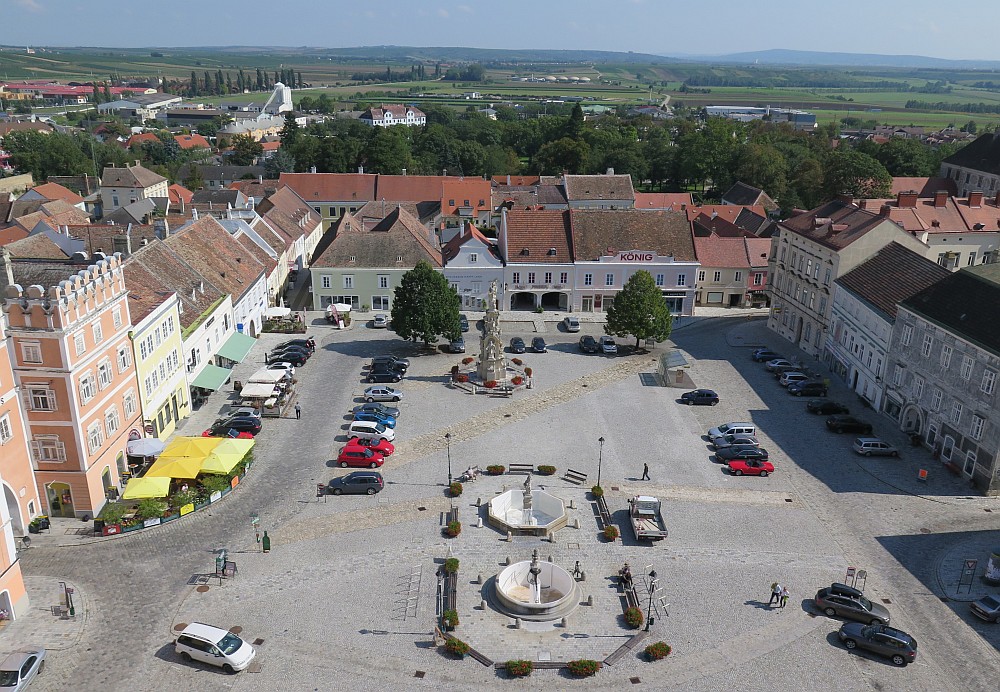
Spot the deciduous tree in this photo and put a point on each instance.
(639, 310)
(425, 306)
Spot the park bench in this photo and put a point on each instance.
(575, 477)
(527, 469)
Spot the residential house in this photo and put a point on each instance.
(287, 213)
(607, 191)
(758, 251)
(362, 264)
(180, 197)
(332, 195)
(811, 251)
(192, 141)
(610, 246)
(471, 263)
(123, 186)
(393, 114)
(864, 310)
(536, 246)
(53, 191)
(944, 363)
(976, 166)
(216, 177)
(722, 276)
(69, 333)
(743, 195)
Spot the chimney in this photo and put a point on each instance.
(404, 171)
(194, 214)
(845, 198)
(940, 198)
(138, 162)
(610, 171)
(260, 180)
(907, 200)
(884, 210)
(312, 169)
(361, 170)
(508, 178)
(976, 199)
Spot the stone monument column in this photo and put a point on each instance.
(492, 365)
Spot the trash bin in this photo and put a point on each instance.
(914, 439)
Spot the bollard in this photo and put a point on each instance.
(583, 575)
(552, 537)
(479, 525)
(565, 622)
(479, 502)
(590, 600)
(479, 579)
(510, 536)
(517, 623)
(482, 605)
(266, 542)
(508, 562)
(572, 504)
(576, 523)
(550, 558)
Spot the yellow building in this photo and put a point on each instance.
(159, 361)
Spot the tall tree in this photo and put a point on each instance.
(564, 154)
(193, 179)
(245, 150)
(281, 162)
(639, 310)
(859, 175)
(425, 306)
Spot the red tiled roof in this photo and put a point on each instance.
(270, 146)
(663, 200)
(140, 138)
(209, 248)
(924, 187)
(192, 141)
(758, 250)
(476, 190)
(178, 193)
(835, 224)
(538, 231)
(410, 188)
(55, 191)
(398, 235)
(518, 180)
(718, 252)
(332, 187)
(600, 232)
(450, 249)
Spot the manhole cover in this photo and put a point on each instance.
(614, 487)
(788, 499)
(202, 589)
(584, 385)
(634, 681)
(179, 627)
(258, 641)
(254, 667)
(421, 509)
(419, 674)
(235, 629)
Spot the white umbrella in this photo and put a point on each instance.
(145, 447)
(278, 312)
(342, 308)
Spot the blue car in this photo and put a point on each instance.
(374, 417)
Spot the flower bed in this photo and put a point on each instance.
(455, 489)
(610, 533)
(453, 529)
(583, 668)
(657, 651)
(519, 669)
(495, 469)
(546, 470)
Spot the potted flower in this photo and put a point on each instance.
(490, 384)
(546, 470)
(610, 533)
(583, 668)
(633, 617)
(657, 651)
(496, 469)
(110, 519)
(519, 668)
(597, 491)
(517, 361)
(152, 508)
(455, 489)
(461, 377)
(453, 529)
(450, 619)
(517, 380)
(457, 647)
(451, 565)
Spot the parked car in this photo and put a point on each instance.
(538, 345)
(463, 322)
(842, 424)
(222, 427)
(282, 365)
(215, 646)
(357, 483)
(741, 453)
(847, 602)
(381, 446)
(867, 446)
(779, 363)
(382, 394)
(457, 345)
(780, 370)
(883, 640)
(370, 430)
(388, 421)
(20, 668)
(378, 408)
(393, 361)
(357, 455)
(588, 344)
(807, 389)
(380, 321)
(987, 608)
(571, 324)
(244, 412)
(702, 397)
(308, 343)
(517, 345)
(750, 467)
(732, 440)
(227, 432)
(763, 355)
(732, 428)
(383, 375)
(607, 344)
(791, 376)
(296, 357)
(826, 408)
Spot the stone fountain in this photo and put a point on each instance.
(536, 590)
(492, 365)
(524, 511)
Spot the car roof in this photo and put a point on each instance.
(15, 660)
(363, 474)
(200, 629)
(867, 439)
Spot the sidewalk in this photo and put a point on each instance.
(47, 621)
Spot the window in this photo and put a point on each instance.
(95, 437)
(6, 432)
(531, 277)
(588, 279)
(31, 352)
(98, 333)
(936, 398)
(682, 279)
(124, 358)
(325, 282)
(348, 281)
(738, 276)
(826, 279)
(717, 277)
(918, 387)
(112, 421)
(989, 382)
(926, 346)
(972, 259)
(976, 429)
(946, 356)
(104, 375)
(79, 343)
(383, 281)
(701, 275)
(809, 267)
(42, 399)
(116, 315)
(822, 305)
(87, 390)
(473, 258)
(129, 403)
(808, 333)
(380, 302)
(48, 448)
(516, 277)
(609, 279)
(548, 278)
(758, 278)
(563, 278)
(956, 412)
(907, 336)
(897, 375)
(966, 372)
(660, 279)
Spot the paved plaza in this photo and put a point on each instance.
(346, 598)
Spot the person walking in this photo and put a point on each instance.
(298, 412)
(645, 472)
(784, 596)
(775, 594)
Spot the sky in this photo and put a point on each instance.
(663, 27)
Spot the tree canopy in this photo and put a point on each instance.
(639, 310)
(425, 306)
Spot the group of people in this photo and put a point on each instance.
(779, 595)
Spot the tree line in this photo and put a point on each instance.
(221, 84)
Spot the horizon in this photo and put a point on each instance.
(524, 25)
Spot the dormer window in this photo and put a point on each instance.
(552, 252)
(525, 252)
(399, 258)
(352, 258)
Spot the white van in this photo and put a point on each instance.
(214, 646)
(370, 430)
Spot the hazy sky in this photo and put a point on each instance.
(665, 27)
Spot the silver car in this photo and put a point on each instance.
(20, 668)
(572, 324)
(735, 440)
(380, 321)
(382, 393)
(792, 376)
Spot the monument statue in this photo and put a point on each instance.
(526, 501)
(492, 365)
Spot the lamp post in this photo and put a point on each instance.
(652, 590)
(600, 460)
(447, 437)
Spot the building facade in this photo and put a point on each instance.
(158, 350)
(123, 186)
(393, 114)
(471, 263)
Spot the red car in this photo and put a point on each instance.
(383, 447)
(359, 456)
(750, 467)
(212, 432)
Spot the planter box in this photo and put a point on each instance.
(134, 527)
(201, 505)
(164, 520)
(111, 529)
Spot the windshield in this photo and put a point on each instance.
(991, 603)
(865, 603)
(725, 428)
(230, 644)
(380, 427)
(8, 678)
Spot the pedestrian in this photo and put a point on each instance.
(784, 596)
(645, 472)
(775, 594)
(298, 412)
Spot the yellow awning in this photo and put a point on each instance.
(191, 447)
(176, 467)
(226, 456)
(145, 487)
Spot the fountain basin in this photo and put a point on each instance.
(558, 593)
(548, 513)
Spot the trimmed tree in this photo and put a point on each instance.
(639, 310)
(424, 306)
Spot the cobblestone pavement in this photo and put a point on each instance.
(346, 598)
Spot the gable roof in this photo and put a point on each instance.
(891, 275)
(537, 231)
(522, 180)
(469, 232)
(523, 197)
(600, 232)
(425, 212)
(396, 110)
(331, 187)
(192, 141)
(741, 194)
(54, 191)
(835, 224)
(409, 188)
(595, 187)
(955, 304)
(207, 247)
(130, 176)
(154, 273)
(36, 246)
(663, 200)
(141, 137)
(720, 252)
(398, 235)
(924, 187)
(221, 197)
(982, 154)
(758, 250)
(179, 194)
(705, 225)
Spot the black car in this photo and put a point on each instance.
(807, 389)
(517, 345)
(309, 344)
(826, 408)
(221, 428)
(357, 483)
(704, 397)
(295, 357)
(762, 355)
(464, 322)
(384, 374)
(538, 345)
(588, 344)
(842, 424)
(883, 640)
(378, 408)
(393, 361)
(741, 452)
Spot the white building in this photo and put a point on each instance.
(393, 114)
(536, 248)
(471, 262)
(123, 186)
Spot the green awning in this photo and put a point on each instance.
(237, 347)
(212, 377)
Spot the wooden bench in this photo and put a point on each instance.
(628, 646)
(575, 477)
(482, 658)
(501, 391)
(526, 469)
(602, 512)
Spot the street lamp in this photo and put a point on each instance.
(447, 437)
(600, 460)
(652, 590)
